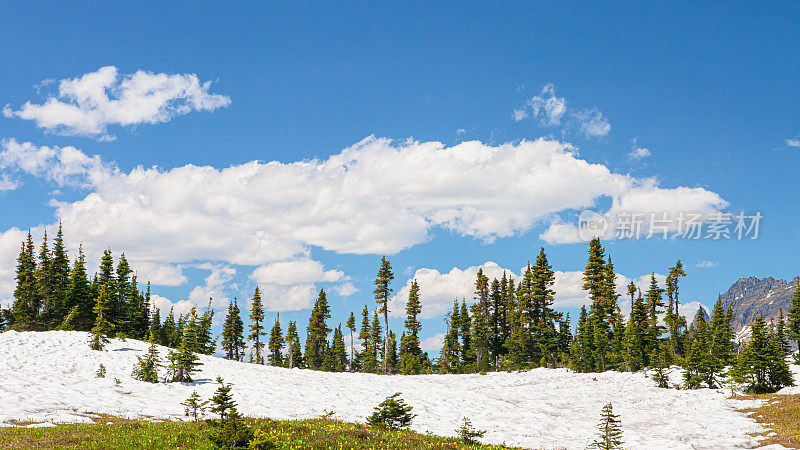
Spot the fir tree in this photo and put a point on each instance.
(317, 333)
(673, 319)
(294, 356)
(661, 360)
(168, 330)
(367, 359)
(232, 342)
(581, 350)
(276, 342)
(147, 368)
(610, 431)
(377, 342)
(449, 356)
(468, 434)
(698, 360)
(79, 295)
(230, 430)
(793, 316)
(59, 277)
(761, 366)
(206, 344)
(410, 351)
(382, 292)
(636, 336)
(184, 361)
(26, 295)
(467, 352)
(102, 328)
(194, 406)
(256, 328)
(392, 413)
(337, 360)
(351, 326)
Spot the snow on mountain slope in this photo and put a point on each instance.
(50, 376)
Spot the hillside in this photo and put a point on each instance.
(752, 295)
(50, 377)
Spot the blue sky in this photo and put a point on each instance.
(710, 91)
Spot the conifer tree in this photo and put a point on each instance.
(168, 330)
(206, 344)
(317, 337)
(661, 361)
(230, 430)
(256, 328)
(382, 292)
(410, 352)
(147, 368)
(761, 365)
(392, 413)
(43, 280)
(233, 333)
(26, 295)
(673, 319)
(654, 303)
(194, 407)
(468, 434)
(793, 316)
(721, 345)
(184, 361)
(610, 432)
(351, 326)
(467, 352)
(449, 356)
(59, 276)
(377, 342)
(338, 354)
(581, 350)
(294, 356)
(480, 338)
(276, 342)
(102, 328)
(698, 362)
(367, 359)
(636, 335)
(79, 295)
(155, 326)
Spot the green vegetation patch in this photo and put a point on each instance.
(115, 433)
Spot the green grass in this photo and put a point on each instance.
(779, 414)
(115, 433)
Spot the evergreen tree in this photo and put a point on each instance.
(184, 361)
(654, 303)
(351, 326)
(59, 277)
(43, 280)
(155, 326)
(581, 350)
(382, 292)
(233, 334)
(256, 329)
(610, 432)
(721, 345)
(410, 351)
(467, 352)
(276, 342)
(168, 330)
(294, 356)
(698, 362)
(636, 336)
(317, 338)
(544, 338)
(147, 368)
(468, 434)
(480, 338)
(673, 319)
(367, 358)
(449, 356)
(761, 366)
(392, 413)
(337, 359)
(79, 295)
(102, 328)
(661, 360)
(230, 430)
(27, 299)
(793, 316)
(376, 338)
(206, 344)
(194, 407)
(105, 277)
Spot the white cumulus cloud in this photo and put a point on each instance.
(88, 104)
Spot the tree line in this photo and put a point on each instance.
(510, 325)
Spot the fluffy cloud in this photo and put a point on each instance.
(214, 287)
(159, 274)
(552, 111)
(87, 105)
(345, 289)
(793, 142)
(64, 166)
(295, 272)
(164, 305)
(376, 197)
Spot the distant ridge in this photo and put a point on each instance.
(749, 296)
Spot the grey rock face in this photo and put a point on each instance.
(750, 296)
